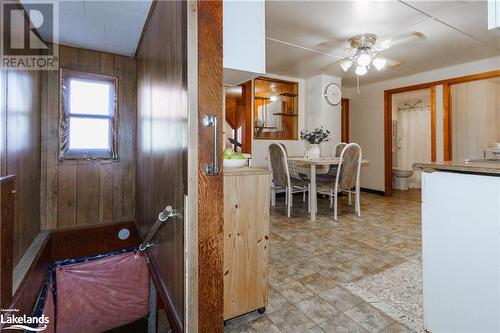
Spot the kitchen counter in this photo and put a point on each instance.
(476, 167)
(461, 246)
(246, 171)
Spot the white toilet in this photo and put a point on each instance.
(400, 178)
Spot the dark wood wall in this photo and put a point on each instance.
(162, 145)
(88, 192)
(20, 149)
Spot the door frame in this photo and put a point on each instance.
(205, 248)
(447, 121)
(344, 120)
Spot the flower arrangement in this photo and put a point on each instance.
(315, 136)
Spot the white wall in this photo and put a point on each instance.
(367, 113)
(319, 113)
(313, 112)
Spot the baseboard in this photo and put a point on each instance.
(363, 189)
(372, 191)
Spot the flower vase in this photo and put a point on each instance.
(313, 151)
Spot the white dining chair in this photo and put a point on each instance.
(281, 178)
(347, 178)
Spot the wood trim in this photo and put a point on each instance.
(172, 315)
(247, 125)
(76, 48)
(455, 80)
(26, 294)
(344, 136)
(91, 240)
(388, 143)
(447, 130)
(210, 188)
(372, 191)
(271, 79)
(433, 123)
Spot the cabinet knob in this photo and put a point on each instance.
(13, 192)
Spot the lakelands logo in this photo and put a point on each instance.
(24, 323)
(21, 43)
(10, 321)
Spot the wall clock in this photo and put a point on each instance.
(332, 94)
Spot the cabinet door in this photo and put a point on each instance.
(246, 243)
(461, 253)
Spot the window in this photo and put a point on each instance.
(88, 116)
(275, 109)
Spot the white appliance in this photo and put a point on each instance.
(492, 153)
(461, 252)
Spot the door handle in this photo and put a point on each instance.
(212, 169)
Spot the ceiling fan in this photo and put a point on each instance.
(365, 51)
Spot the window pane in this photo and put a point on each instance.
(87, 133)
(89, 97)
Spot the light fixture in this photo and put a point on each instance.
(345, 65)
(364, 60)
(360, 70)
(273, 98)
(379, 63)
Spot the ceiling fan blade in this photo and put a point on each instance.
(302, 47)
(333, 64)
(392, 62)
(335, 47)
(398, 40)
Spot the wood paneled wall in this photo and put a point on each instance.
(20, 148)
(88, 192)
(475, 114)
(162, 146)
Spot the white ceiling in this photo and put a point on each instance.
(109, 26)
(455, 32)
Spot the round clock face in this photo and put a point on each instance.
(333, 94)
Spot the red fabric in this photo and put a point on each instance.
(102, 294)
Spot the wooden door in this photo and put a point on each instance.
(179, 82)
(344, 137)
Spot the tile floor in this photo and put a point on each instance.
(308, 261)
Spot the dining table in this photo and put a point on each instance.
(313, 164)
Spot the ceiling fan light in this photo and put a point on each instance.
(379, 63)
(364, 60)
(345, 65)
(361, 70)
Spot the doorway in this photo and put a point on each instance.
(442, 123)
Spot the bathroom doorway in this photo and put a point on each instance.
(412, 136)
(442, 123)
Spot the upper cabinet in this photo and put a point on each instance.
(493, 14)
(244, 26)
